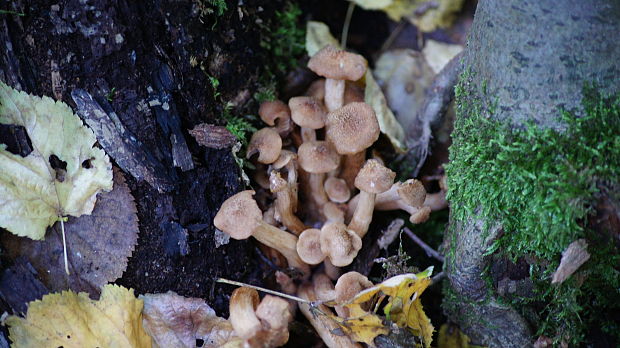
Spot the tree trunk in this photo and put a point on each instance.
(528, 59)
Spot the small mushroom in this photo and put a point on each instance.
(284, 204)
(339, 243)
(337, 190)
(276, 113)
(372, 179)
(288, 160)
(309, 114)
(324, 326)
(309, 246)
(352, 128)
(353, 93)
(337, 66)
(317, 158)
(267, 143)
(317, 89)
(240, 217)
(347, 287)
(242, 307)
(333, 212)
(351, 165)
(275, 316)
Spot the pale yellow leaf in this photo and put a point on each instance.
(74, 320)
(34, 195)
(372, 4)
(438, 54)
(387, 122)
(426, 15)
(317, 37)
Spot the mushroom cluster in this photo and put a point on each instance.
(316, 190)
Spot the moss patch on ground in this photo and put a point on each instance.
(541, 185)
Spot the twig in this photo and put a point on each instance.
(429, 251)
(439, 276)
(345, 26)
(393, 35)
(290, 297)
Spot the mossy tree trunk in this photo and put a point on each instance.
(525, 61)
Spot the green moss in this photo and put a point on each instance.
(541, 185)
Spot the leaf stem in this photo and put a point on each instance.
(64, 245)
(290, 297)
(345, 26)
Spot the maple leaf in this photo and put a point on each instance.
(60, 177)
(73, 320)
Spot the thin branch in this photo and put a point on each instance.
(438, 277)
(290, 297)
(345, 26)
(429, 251)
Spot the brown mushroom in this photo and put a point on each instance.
(324, 326)
(317, 158)
(275, 316)
(351, 165)
(240, 217)
(337, 66)
(372, 179)
(337, 190)
(353, 93)
(242, 307)
(284, 204)
(267, 143)
(276, 113)
(333, 212)
(309, 114)
(309, 246)
(339, 243)
(317, 89)
(347, 287)
(352, 128)
(288, 160)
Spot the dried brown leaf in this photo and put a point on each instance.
(175, 321)
(572, 258)
(98, 245)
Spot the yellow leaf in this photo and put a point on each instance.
(317, 37)
(403, 305)
(61, 176)
(451, 337)
(426, 15)
(372, 4)
(361, 326)
(438, 54)
(387, 121)
(74, 320)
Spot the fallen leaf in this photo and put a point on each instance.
(451, 337)
(361, 325)
(575, 255)
(175, 321)
(73, 320)
(404, 76)
(426, 15)
(317, 37)
(438, 54)
(387, 122)
(403, 302)
(60, 177)
(372, 4)
(97, 251)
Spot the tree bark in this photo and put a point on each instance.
(534, 58)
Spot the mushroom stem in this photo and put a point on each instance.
(331, 271)
(307, 134)
(323, 325)
(243, 302)
(317, 189)
(334, 94)
(284, 204)
(283, 242)
(436, 201)
(363, 213)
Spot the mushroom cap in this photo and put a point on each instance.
(337, 190)
(339, 243)
(352, 128)
(239, 215)
(421, 215)
(270, 111)
(336, 64)
(374, 177)
(285, 157)
(412, 192)
(317, 89)
(307, 112)
(267, 143)
(349, 285)
(323, 287)
(317, 157)
(309, 246)
(274, 312)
